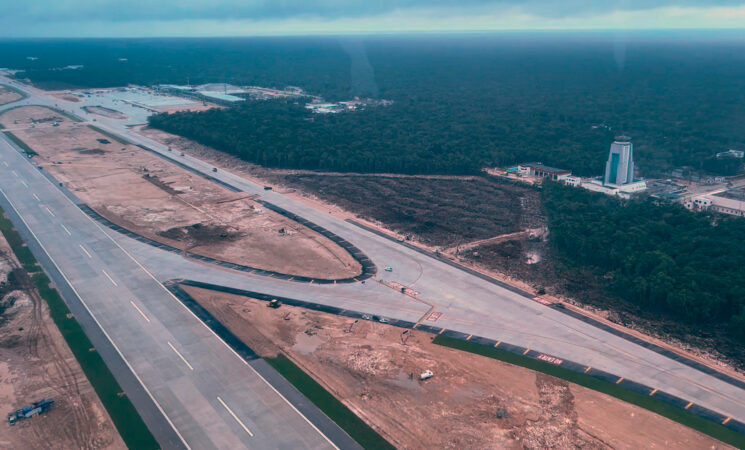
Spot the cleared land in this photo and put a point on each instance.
(36, 363)
(373, 369)
(105, 112)
(152, 197)
(8, 96)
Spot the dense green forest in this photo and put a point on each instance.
(662, 259)
(466, 100)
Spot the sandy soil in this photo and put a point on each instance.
(157, 199)
(65, 95)
(105, 112)
(36, 363)
(373, 368)
(8, 96)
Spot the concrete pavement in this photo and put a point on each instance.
(467, 303)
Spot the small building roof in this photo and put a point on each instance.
(545, 168)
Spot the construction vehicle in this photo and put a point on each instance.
(36, 408)
(274, 303)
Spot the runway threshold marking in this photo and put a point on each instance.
(243, 425)
(140, 311)
(84, 250)
(179, 354)
(109, 277)
(50, 211)
(37, 197)
(66, 230)
(654, 391)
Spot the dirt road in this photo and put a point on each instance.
(36, 363)
(471, 402)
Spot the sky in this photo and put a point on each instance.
(198, 18)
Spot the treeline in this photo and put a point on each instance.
(286, 135)
(661, 258)
(464, 100)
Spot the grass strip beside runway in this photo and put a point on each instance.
(645, 401)
(128, 422)
(26, 149)
(330, 405)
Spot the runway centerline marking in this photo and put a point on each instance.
(50, 212)
(15, 173)
(24, 184)
(140, 311)
(37, 197)
(66, 230)
(235, 417)
(84, 250)
(109, 277)
(6, 163)
(177, 352)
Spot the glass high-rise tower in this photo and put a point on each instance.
(619, 169)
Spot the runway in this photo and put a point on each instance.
(119, 280)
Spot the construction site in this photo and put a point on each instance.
(36, 365)
(8, 95)
(154, 198)
(465, 400)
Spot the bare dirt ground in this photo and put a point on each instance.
(164, 202)
(471, 402)
(8, 96)
(105, 112)
(36, 363)
(66, 96)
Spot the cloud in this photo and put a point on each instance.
(174, 10)
(105, 18)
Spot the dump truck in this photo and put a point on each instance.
(274, 303)
(36, 408)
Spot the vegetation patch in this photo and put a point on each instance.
(333, 408)
(128, 422)
(645, 401)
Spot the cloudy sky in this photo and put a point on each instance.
(123, 18)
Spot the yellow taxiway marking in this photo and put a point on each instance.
(619, 380)
(84, 250)
(726, 421)
(139, 311)
(654, 391)
(109, 277)
(441, 331)
(469, 337)
(497, 344)
(180, 355)
(243, 425)
(414, 327)
(588, 369)
(526, 351)
(689, 405)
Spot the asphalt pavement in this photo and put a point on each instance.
(468, 304)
